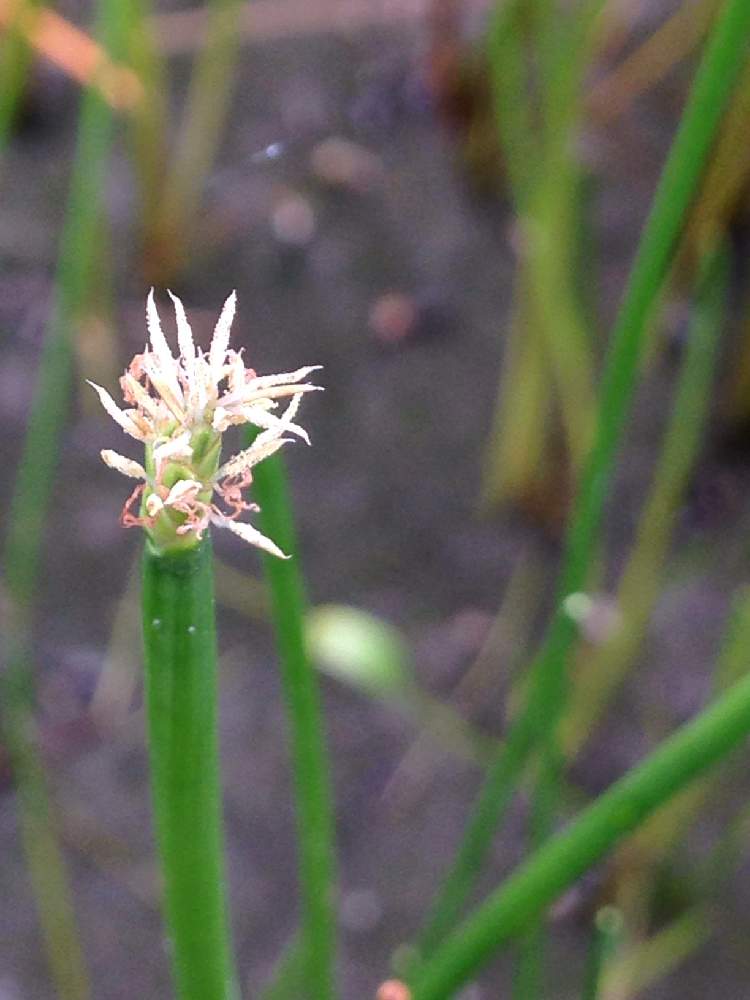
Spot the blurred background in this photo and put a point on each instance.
(438, 201)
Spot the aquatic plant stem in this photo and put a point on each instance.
(532, 887)
(606, 933)
(26, 522)
(719, 68)
(605, 666)
(43, 855)
(180, 662)
(197, 141)
(315, 825)
(15, 60)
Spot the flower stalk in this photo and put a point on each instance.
(180, 681)
(179, 407)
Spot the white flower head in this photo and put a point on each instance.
(179, 406)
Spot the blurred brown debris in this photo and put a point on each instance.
(185, 30)
(72, 51)
(393, 989)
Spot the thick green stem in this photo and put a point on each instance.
(180, 659)
(526, 894)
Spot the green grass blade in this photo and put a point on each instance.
(721, 63)
(525, 895)
(180, 660)
(315, 827)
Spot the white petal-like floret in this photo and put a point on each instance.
(120, 417)
(180, 407)
(122, 464)
(220, 341)
(249, 534)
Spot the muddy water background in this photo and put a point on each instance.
(386, 501)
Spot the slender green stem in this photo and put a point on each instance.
(78, 248)
(639, 585)
(508, 911)
(716, 75)
(515, 450)
(28, 515)
(45, 862)
(723, 59)
(511, 97)
(529, 979)
(287, 978)
(199, 134)
(606, 933)
(315, 827)
(650, 961)
(15, 60)
(180, 660)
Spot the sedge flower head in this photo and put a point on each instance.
(179, 406)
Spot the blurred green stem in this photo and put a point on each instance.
(45, 863)
(722, 61)
(605, 936)
(33, 489)
(544, 180)
(651, 960)
(607, 664)
(203, 120)
(148, 122)
(516, 447)
(310, 767)
(531, 888)
(15, 64)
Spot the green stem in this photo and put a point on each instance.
(528, 983)
(650, 961)
(180, 661)
(315, 826)
(606, 934)
(15, 60)
(716, 75)
(204, 117)
(287, 978)
(606, 665)
(33, 490)
(537, 883)
(43, 854)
